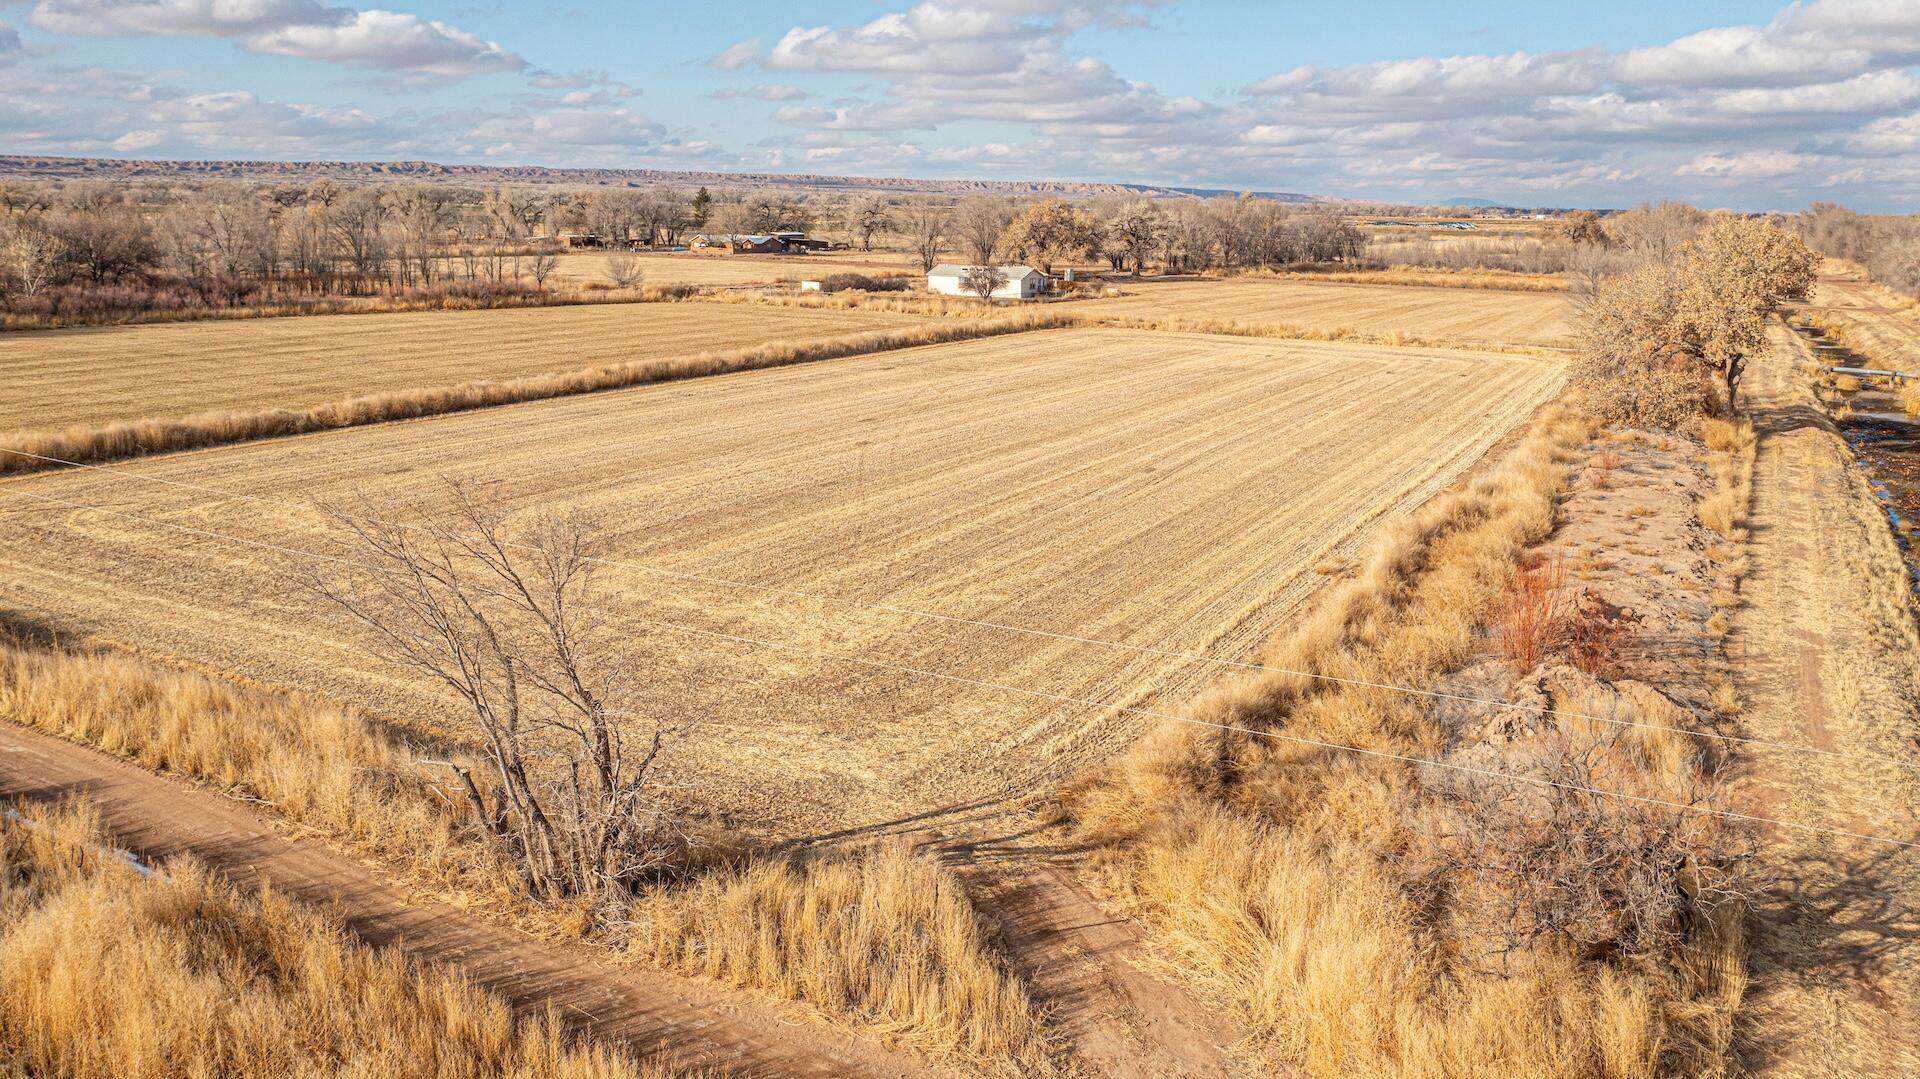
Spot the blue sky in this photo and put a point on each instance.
(1752, 105)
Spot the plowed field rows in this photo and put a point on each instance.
(1474, 315)
(1167, 490)
(59, 377)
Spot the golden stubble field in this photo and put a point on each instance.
(1165, 490)
(54, 378)
(1485, 316)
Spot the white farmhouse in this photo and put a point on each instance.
(1023, 282)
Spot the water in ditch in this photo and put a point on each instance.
(1884, 439)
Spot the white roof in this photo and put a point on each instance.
(1012, 273)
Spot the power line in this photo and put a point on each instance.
(1197, 657)
(1382, 754)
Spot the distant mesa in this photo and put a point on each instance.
(107, 168)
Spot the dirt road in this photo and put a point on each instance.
(1828, 656)
(694, 1022)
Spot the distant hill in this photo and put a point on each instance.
(1473, 204)
(106, 168)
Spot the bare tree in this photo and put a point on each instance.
(867, 216)
(33, 257)
(354, 220)
(506, 621)
(624, 269)
(977, 224)
(983, 281)
(542, 264)
(925, 223)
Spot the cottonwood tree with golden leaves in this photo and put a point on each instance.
(1050, 231)
(1653, 338)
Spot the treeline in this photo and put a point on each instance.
(1889, 247)
(1133, 234)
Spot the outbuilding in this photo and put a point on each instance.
(1022, 282)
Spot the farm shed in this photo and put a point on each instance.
(1023, 282)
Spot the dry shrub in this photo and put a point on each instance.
(869, 283)
(1518, 868)
(882, 934)
(131, 438)
(109, 973)
(1532, 611)
(1596, 633)
(1271, 871)
(1601, 467)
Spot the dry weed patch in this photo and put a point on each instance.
(883, 938)
(112, 973)
(1373, 917)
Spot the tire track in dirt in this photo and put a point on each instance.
(1825, 652)
(690, 1022)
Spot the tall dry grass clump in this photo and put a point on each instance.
(1305, 884)
(131, 438)
(112, 973)
(321, 764)
(883, 935)
(1730, 452)
(884, 938)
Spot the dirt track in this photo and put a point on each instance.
(1828, 655)
(694, 1022)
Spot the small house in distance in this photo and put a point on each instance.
(1023, 282)
(771, 243)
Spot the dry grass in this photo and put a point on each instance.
(1730, 445)
(881, 934)
(109, 973)
(1271, 870)
(1427, 277)
(131, 438)
(315, 762)
(882, 938)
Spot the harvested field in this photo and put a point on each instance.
(59, 377)
(1167, 490)
(685, 268)
(1475, 315)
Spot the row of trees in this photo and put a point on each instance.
(1889, 247)
(1128, 233)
